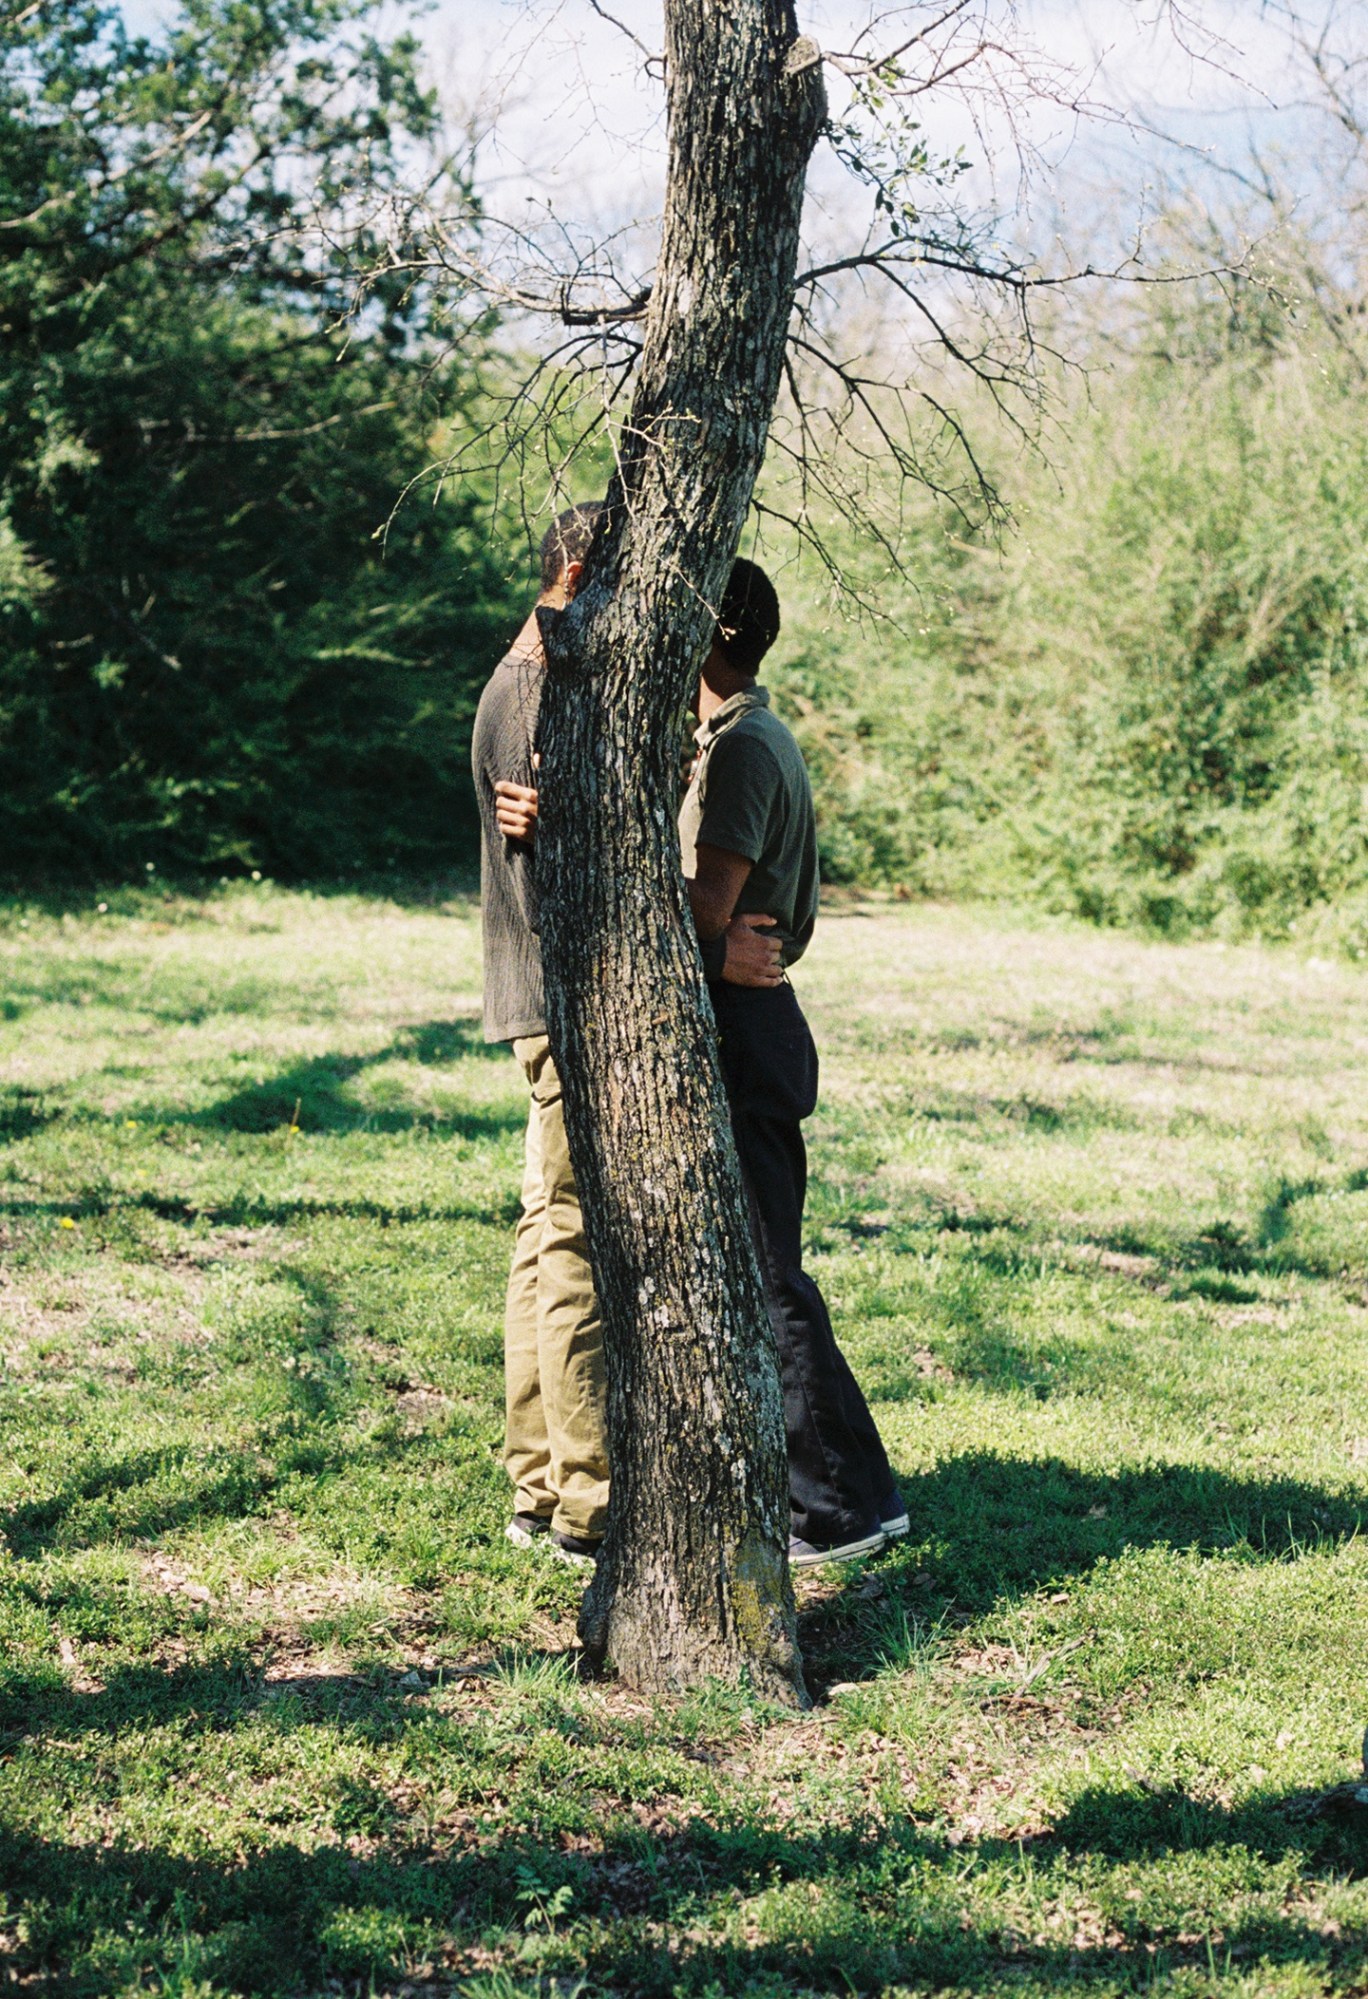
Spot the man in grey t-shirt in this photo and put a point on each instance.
(555, 1439)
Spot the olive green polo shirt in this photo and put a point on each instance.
(750, 795)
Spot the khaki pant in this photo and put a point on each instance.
(555, 1443)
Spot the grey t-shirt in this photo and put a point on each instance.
(751, 796)
(501, 747)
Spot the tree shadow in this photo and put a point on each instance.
(1204, 1262)
(1069, 1116)
(652, 1909)
(203, 1698)
(1100, 1047)
(314, 1092)
(1229, 1250)
(255, 1210)
(427, 888)
(33, 1527)
(1147, 1821)
(23, 1112)
(652, 1904)
(987, 1528)
(147, 1493)
(209, 1696)
(118, 983)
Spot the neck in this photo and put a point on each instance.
(717, 685)
(528, 643)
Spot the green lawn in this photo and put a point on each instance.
(281, 1712)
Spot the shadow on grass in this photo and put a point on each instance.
(131, 1498)
(202, 1699)
(181, 900)
(315, 1092)
(1023, 1521)
(988, 1528)
(262, 1211)
(22, 1112)
(985, 1527)
(649, 1908)
(640, 1912)
(1148, 1821)
(146, 1494)
(1068, 1116)
(150, 1493)
(1206, 1262)
(122, 984)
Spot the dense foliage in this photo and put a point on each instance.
(209, 657)
(1151, 705)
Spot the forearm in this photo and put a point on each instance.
(711, 926)
(710, 915)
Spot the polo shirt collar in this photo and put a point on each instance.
(732, 709)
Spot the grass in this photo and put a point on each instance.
(281, 1712)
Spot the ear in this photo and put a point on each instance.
(573, 573)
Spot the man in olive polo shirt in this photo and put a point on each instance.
(748, 838)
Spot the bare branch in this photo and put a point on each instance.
(636, 41)
(852, 64)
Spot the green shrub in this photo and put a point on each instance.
(1151, 706)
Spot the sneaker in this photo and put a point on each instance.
(526, 1528)
(803, 1554)
(581, 1553)
(893, 1515)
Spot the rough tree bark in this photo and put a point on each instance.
(693, 1579)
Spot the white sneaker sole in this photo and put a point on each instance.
(897, 1528)
(850, 1551)
(520, 1536)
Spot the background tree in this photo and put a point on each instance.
(209, 658)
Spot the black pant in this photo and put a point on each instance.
(838, 1472)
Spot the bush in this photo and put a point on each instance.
(1151, 707)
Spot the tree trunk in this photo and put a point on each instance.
(693, 1579)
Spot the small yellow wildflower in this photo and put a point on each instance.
(66, 1223)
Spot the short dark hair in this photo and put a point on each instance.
(567, 540)
(748, 622)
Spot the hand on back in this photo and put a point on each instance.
(516, 810)
(754, 956)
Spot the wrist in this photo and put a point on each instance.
(713, 951)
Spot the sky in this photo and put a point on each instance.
(576, 136)
(573, 113)
(571, 104)
(542, 57)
